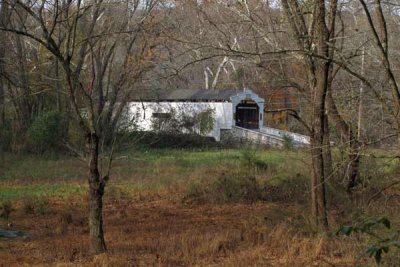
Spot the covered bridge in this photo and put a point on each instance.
(242, 108)
(239, 113)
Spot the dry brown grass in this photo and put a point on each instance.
(158, 231)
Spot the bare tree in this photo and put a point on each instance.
(313, 40)
(104, 47)
(380, 32)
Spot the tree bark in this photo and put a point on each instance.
(327, 154)
(24, 103)
(314, 39)
(2, 97)
(57, 85)
(319, 91)
(96, 192)
(353, 162)
(318, 198)
(3, 21)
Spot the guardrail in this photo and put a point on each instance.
(270, 136)
(257, 136)
(297, 138)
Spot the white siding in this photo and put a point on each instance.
(143, 111)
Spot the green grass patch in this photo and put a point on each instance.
(136, 170)
(30, 167)
(41, 190)
(198, 158)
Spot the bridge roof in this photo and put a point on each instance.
(187, 95)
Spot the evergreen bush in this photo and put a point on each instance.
(45, 132)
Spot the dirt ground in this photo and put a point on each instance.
(162, 231)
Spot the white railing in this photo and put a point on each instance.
(299, 138)
(257, 136)
(270, 136)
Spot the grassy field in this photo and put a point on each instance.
(141, 171)
(189, 207)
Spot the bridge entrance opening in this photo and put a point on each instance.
(247, 115)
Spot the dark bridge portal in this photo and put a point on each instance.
(247, 116)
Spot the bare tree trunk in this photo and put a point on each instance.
(318, 192)
(57, 84)
(2, 94)
(360, 103)
(24, 104)
(352, 165)
(218, 72)
(317, 76)
(327, 154)
(318, 198)
(333, 113)
(319, 91)
(96, 192)
(3, 22)
(2, 83)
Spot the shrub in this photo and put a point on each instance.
(225, 189)
(45, 132)
(287, 189)
(236, 189)
(380, 243)
(6, 209)
(64, 219)
(238, 186)
(287, 142)
(116, 193)
(5, 136)
(195, 192)
(205, 121)
(75, 137)
(170, 140)
(184, 120)
(251, 161)
(36, 206)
